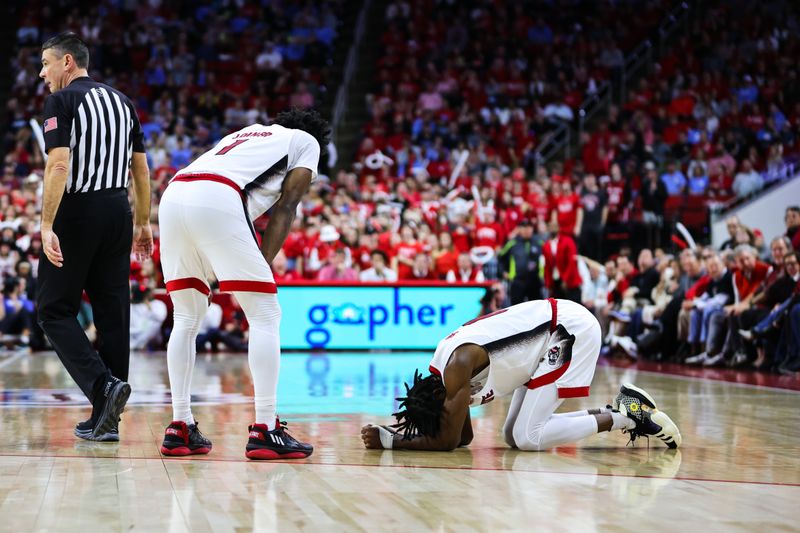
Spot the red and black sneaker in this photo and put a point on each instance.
(275, 444)
(181, 439)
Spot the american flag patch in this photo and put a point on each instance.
(50, 124)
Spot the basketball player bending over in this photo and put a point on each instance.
(204, 218)
(541, 351)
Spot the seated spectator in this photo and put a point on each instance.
(270, 57)
(466, 272)
(494, 299)
(379, 271)
(747, 182)
(674, 180)
(210, 335)
(704, 301)
(792, 221)
(732, 225)
(594, 290)
(147, 317)
(421, 269)
(445, 257)
(698, 182)
(337, 269)
(17, 311)
(280, 269)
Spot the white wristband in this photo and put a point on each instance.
(387, 438)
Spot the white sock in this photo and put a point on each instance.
(565, 430)
(264, 351)
(190, 308)
(621, 422)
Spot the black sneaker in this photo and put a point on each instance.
(276, 444)
(639, 406)
(115, 395)
(84, 430)
(181, 439)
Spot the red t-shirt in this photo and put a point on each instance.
(490, 234)
(615, 196)
(446, 262)
(566, 207)
(408, 251)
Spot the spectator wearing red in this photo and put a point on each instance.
(465, 272)
(404, 253)
(561, 276)
(566, 208)
(421, 268)
(626, 273)
(488, 232)
(446, 256)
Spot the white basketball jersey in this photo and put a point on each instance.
(516, 339)
(257, 158)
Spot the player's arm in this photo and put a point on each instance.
(454, 417)
(295, 185)
(466, 431)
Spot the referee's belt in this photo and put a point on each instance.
(212, 177)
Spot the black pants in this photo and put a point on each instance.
(96, 232)
(591, 242)
(561, 292)
(523, 290)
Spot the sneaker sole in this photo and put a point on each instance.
(267, 455)
(105, 437)
(669, 435)
(182, 451)
(632, 390)
(111, 411)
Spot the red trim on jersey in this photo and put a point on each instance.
(549, 378)
(573, 392)
(435, 371)
(248, 286)
(210, 177)
(554, 317)
(188, 283)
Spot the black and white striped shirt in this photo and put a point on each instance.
(100, 127)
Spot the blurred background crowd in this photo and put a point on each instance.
(446, 182)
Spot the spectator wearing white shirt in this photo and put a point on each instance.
(465, 271)
(270, 58)
(147, 317)
(379, 271)
(747, 181)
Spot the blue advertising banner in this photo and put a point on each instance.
(374, 316)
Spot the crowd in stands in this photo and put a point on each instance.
(446, 186)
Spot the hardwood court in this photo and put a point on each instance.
(739, 466)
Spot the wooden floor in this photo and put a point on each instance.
(738, 469)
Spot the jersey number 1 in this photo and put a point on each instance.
(231, 146)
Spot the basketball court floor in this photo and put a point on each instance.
(738, 468)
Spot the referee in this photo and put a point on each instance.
(92, 138)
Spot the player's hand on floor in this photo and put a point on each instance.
(371, 436)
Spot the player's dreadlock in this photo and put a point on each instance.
(421, 410)
(309, 121)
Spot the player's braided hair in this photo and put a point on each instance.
(421, 410)
(308, 120)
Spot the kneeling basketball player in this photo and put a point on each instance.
(541, 352)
